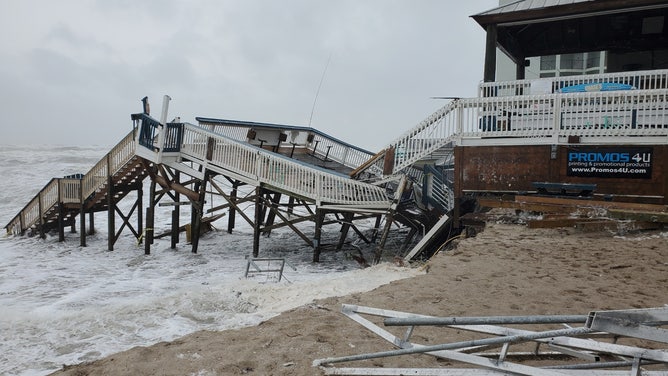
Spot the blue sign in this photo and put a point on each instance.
(610, 162)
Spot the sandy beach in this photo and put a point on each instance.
(507, 269)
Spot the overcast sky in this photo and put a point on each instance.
(74, 70)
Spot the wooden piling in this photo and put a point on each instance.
(317, 246)
(257, 221)
(111, 214)
(232, 210)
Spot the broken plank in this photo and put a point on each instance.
(556, 222)
(645, 216)
(596, 226)
(590, 203)
(538, 207)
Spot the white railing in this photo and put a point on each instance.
(603, 115)
(256, 166)
(229, 131)
(68, 190)
(332, 149)
(640, 80)
(428, 136)
(631, 113)
(326, 147)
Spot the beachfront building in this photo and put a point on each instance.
(580, 125)
(598, 132)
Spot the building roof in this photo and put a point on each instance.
(537, 10)
(544, 27)
(524, 5)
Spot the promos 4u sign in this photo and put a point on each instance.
(610, 162)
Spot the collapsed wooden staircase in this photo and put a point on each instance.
(56, 206)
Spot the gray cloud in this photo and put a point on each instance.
(75, 72)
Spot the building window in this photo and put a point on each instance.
(572, 64)
(593, 59)
(548, 63)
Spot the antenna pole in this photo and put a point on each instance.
(318, 91)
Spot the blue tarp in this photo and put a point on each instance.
(595, 86)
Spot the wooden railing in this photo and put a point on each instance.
(258, 166)
(69, 190)
(113, 161)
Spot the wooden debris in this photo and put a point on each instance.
(646, 216)
(557, 222)
(587, 215)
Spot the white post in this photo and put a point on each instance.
(163, 122)
(556, 124)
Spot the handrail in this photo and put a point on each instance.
(321, 144)
(428, 136)
(113, 161)
(258, 165)
(538, 118)
(641, 80)
(68, 190)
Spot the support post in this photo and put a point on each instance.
(175, 228)
(374, 233)
(347, 220)
(111, 214)
(317, 247)
(61, 222)
(389, 218)
(140, 209)
(490, 54)
(257, 221)
(520, 71)
(271, 216)
(91, 223)
(233, 211)
(176, 213)
(198, 208)
(150, 212)
(82, 216)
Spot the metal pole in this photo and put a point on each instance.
(485, 320)
(458, 345)
(163, 129)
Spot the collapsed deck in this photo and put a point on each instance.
(512, 136)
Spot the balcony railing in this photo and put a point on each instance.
(629, 116)
(256, 165)
(639, 80)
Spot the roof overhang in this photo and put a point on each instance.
(525, 29)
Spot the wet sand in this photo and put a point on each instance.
(508, 269)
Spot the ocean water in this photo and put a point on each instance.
(63, 304)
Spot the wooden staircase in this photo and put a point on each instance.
(62, 199)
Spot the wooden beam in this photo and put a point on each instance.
(366, 164)
(599, 225)
(645, 216)
(194, 196)
(291, 224)
(534, 207)
(591, 203)
(557, 222)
